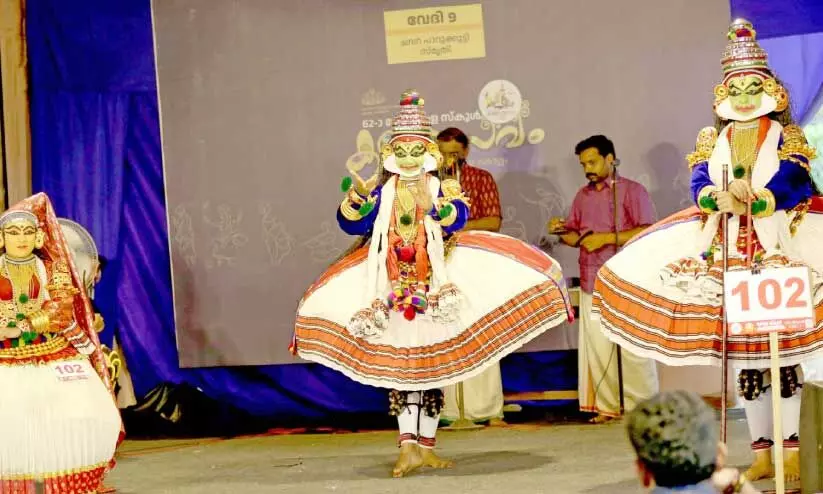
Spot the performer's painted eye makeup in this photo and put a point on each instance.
(16, 230)
(755, 90)
(752, 87)
(418, 151)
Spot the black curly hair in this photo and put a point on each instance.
(675, 437)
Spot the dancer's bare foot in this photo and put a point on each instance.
(791, 465)
(762, 468)
(430, 459)
(409, 460)
(497, 423)
(600, 419)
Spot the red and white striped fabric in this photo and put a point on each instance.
(511, 291)
(642, 310)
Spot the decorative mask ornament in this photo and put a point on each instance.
(20, 234)
(83, 250)
(411, 150)
(748, 90)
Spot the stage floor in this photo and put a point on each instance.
(532, 457)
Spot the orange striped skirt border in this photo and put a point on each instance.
(492, 337)
(679, 333)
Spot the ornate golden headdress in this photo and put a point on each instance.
(411, 124)
(411, 120)
(743, 53)
(744, 56)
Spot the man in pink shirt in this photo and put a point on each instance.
(590, 226)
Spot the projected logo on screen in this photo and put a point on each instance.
(500, 101)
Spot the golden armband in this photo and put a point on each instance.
(453, 192)
(348, 211)
(795, 148)
(40, 322)
(354, 197)
(765, 204)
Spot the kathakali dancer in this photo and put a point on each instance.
(661, 296)
(62, 422)
(419, 307)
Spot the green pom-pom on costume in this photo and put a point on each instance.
(406, 220)
(345, 184)
(365, 209)
(23, 298)
(445, 211)
(28, 337)
(11, 324)
(739, 172)
(759, 206)
(20, 317)
(708, 202)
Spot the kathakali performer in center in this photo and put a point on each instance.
(421, 305)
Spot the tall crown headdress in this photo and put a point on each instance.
(411, 120)
(743, 54)
(411, 124)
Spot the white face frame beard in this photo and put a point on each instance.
(429, 165)
(726, 111)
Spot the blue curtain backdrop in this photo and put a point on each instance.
(96, 153)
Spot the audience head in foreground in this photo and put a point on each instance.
(676, 440)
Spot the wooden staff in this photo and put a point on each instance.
(724, 366)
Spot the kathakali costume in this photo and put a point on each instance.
(661, 295)
(62, 425)
(420, 307)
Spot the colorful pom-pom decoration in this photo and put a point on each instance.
(406, 219)
(759, 206)
(365, 209)
(23, 298)
(739, 172)
(409, 313)
(11, 324)
(418, 300)
(20, 317)
(345, 184)
(708, 202)
(396, 298)
(411, 98)
(445, 211)
(406, 253)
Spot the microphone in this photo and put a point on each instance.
(615, 164)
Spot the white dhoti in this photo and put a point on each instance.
(482, 397)
(597, 374)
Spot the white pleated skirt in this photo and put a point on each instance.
(510, 292)
(60, 426)
(641, 309)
